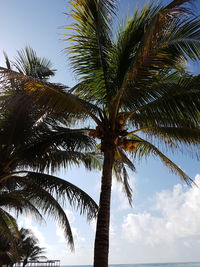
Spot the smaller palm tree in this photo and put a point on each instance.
(15, 200)
(29, 248)
(30, 64)
(22, 247)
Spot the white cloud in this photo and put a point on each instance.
(178, 221)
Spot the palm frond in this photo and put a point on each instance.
(18, 201)
(129, 38)
(28, 63)
(62, 190)
(7, 61)
(145, 149)
(28, 247)
(44, 144)
(180, 136)
(91, 41)
(50, 206)
(154, 53)
(179, 100)
(55, 160)
(120, 164)
(8, 225)
(50, 95)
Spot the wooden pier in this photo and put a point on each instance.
(47, 263)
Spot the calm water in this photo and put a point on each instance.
(188, 264)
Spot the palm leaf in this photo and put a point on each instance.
(30, 64)
(91, 40)
(53, 96)
(19, 202)
(145, 149)
(8, 225)
(49, 205)
(152, 54)
(62, 189)
(120, 164)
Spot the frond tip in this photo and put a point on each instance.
(145, 149)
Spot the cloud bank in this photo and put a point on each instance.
(171, 229)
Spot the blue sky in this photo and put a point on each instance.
(164, 222)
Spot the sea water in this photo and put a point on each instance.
(183, 264)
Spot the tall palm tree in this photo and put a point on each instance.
(31, 146)
(132, 86)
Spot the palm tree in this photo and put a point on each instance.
(5, 252)
(29, 63)
(32, 143)
(12, 200)
(133, 87)
(29, 248)
(8, 247)
(33, 253)
(15, 200)
(22, 247)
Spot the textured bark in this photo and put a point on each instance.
(101, 248)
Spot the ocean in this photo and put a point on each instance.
(181, 264)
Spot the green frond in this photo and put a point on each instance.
(28, 248)
(184, 39)
(154, 51)
(125, 47)
(120, 164)
(92, 161)
(181, 100)
(145, 120)
(7, 61)
(180, 136)
(55, 160)
(176, 6)
(19, 202)
(121, 156)
(50, 206)
(8, 225)
(26, 235)
(145, 149)
(175, 101)
(28, 63)
(49, 95)
(91, 41)
(62, 190)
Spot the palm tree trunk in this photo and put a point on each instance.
(25, 261)
(101, 248)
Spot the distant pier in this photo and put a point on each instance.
(47, 263)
